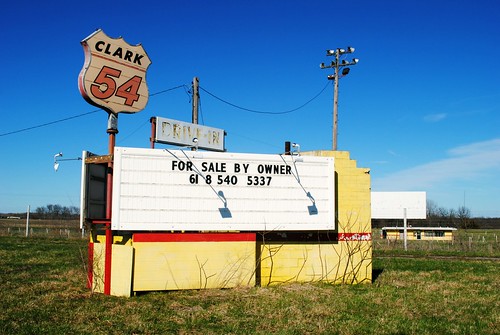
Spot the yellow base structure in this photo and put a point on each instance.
(154, 261)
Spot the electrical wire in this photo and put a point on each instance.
(165, 91)
(49, 123)
(77, 116)
(265, 112)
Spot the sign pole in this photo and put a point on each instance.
(113, 78)
(112, 131)
(152, 120)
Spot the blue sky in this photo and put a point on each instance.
(420, 109)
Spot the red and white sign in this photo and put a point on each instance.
(113, 76)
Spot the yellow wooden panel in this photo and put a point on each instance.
(193, 265)
(121, 270)
(342, 262)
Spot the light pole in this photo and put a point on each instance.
(337, 64)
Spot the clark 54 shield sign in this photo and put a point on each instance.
(113, 76)
(164, 190)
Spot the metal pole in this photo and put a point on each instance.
(153, 132)
(28, 221)
(196, 82)
(336, 65)
(335, 99)
(112, 131)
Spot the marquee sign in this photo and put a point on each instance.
(183, 133)
(183, 190)
(113, 76)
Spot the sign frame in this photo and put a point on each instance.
(168, 190)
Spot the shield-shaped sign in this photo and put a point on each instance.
(113, 76)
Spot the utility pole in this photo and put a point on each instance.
(196, 96)
(336, 65)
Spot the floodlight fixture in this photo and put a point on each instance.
(337, 65)
(56, 163)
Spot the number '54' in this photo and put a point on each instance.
(104, 86)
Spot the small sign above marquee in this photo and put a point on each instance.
(113, 76)
(176, 132)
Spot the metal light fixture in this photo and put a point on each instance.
(338, 64)
(56, 163)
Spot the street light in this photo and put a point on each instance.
(56, 160)
(337, 64)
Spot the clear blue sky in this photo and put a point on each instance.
(421, 109)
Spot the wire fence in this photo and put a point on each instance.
(472, 241)
(42, 228)
(44, 232)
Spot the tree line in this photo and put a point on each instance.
(51, 211)
(458, 218)
(438, 216)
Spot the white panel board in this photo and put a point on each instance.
(391, 205)
(163, 190)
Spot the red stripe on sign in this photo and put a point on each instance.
(194, 237)
(355, 236)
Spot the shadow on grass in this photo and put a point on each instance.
(376, 273)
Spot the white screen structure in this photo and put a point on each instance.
(181, 190)
(391, 205)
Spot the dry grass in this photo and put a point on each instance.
(43, 292)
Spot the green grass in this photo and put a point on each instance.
(44, 292)
(466, 243)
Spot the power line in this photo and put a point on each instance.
(76, 116)
(49, 123)
(264, 112)
(165, 91)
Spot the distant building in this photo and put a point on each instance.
(419, 233)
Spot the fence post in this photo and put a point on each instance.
(28, 221)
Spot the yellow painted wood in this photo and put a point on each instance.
(340, 262)
(121, 269)
(193, 265)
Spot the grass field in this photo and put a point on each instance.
(43, 292)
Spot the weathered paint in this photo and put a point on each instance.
(121, 269)
(193, 261)
(174, 260)
(344, 259)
